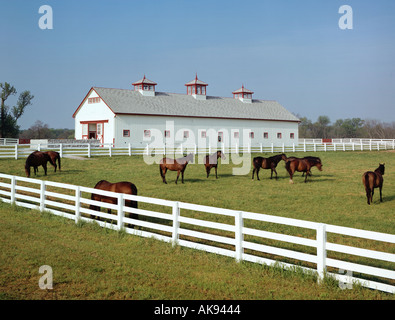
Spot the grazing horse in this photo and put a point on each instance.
(119, 187)
(54, 156)
(35, 159)
(373, 180)
(293, 164)
(211, 161)
(178, 165)
(266, 163)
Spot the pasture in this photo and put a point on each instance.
(334, 195)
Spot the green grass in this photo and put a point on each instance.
(88, 269)
(90, 262)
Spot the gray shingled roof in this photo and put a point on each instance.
(126, 101)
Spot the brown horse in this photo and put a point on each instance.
(373, 180)
(36, 159)
(211, 161)
(266, 163)
(54, 156)
(119, 187)
(293, 164)
(178, 165)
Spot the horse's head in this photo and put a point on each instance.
(319, 165)
(381, 168)
(189, 157)
(221, 155)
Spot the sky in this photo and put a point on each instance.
(290, 51)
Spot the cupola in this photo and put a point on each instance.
(243, 94)
(145, 87)
(197, 89)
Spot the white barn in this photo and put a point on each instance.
(142, 116)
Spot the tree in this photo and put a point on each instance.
(8, 120)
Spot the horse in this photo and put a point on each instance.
(36, 159)
(119, 187)
(211, 161)
(178, 165)
(313, 161)
(266, 163)
(54, 156)
(293, 164)
(372, 180)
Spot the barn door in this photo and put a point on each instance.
(99, 131)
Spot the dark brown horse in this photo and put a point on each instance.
(211, 161)
(118, 187)
(266, 163)
(373, 180)
(304, 165)
(54, 156)
(178, 165)
(36, 159)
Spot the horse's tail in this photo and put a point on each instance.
(59, 162)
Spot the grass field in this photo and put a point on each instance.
(333, 196)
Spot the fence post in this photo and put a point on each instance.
(42, 195)
(13, 185)
(61, 150)
(272, 147)
(176, 224)
(293, 147)
(130, 149)
(237, 149)
(239, 236)
(121, 203)
(283, 147)
(89, 150)
(304, 145)
(110, 149)
(16, 152)
(261, 148)
(39, 147)
(147, 151)
(321, 251)
(77, 204)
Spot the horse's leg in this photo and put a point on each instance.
(178, 174)
(45, 168)
(257, 173)
(208, 169)
(253, 171)
(275, 173)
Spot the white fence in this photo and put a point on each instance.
(238, 234)
(89, 149)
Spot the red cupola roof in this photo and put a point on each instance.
(145, 86)
(243, 94)
(196, 88)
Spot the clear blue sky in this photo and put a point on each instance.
(290, 51)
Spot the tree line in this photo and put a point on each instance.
(40, 130)
(345, 128)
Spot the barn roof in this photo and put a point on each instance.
(126, 101)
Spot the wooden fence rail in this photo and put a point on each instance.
(217, 230)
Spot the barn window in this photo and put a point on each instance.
(203, 134)
(279, 135)
(252, 135)
(292, 135)
(147, 133)
(186, 134)
(126, 133)
(266, 135)
(94, 100)
(167, 133)
(236, 135)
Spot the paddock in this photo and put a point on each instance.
(333, 197)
